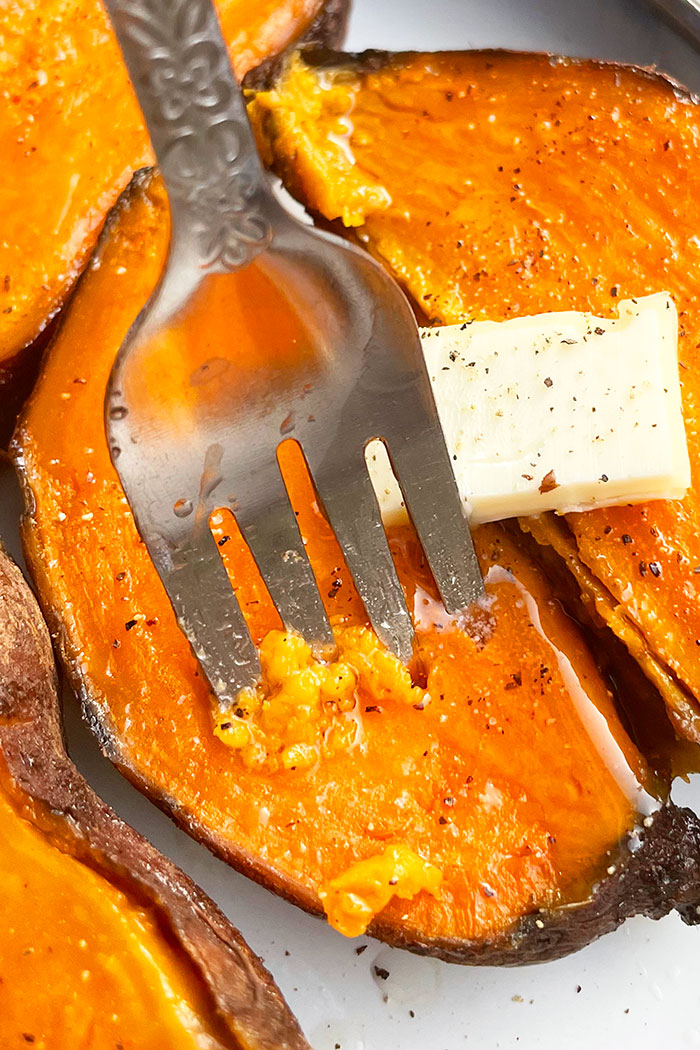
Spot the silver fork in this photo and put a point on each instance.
(355, 373)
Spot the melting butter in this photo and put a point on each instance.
(560, 411)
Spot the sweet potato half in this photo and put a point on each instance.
(103, 939)
(513, 777)
(71, 135)
(497, 184)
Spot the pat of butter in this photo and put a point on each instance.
(561, 411)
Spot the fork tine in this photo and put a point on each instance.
(429, 489)
(273, 537)
(209, 614)
(351, 506)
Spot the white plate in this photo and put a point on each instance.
(638, 986)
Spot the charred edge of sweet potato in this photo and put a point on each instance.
(242, 993)
(325, 32)
(660, 876)
(372, 60)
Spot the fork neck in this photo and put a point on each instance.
(196, 118)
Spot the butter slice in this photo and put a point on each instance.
(560, 411)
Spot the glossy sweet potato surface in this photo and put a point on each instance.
(496, 184)
(517, 780)
(71, 136)
(104, 940)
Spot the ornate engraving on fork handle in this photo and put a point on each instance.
(196, 118)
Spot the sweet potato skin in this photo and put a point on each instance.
(32, 747)
(659, 876)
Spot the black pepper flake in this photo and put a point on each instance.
(549, 482)
(373, 707)
(381, 972)
(225, 725)
(578, 988)
(6, 282)
(569, 342)
(130, 623)
(120, 576)
(449, 801)
(599, 331)
(604, 477)
(626, 538)
(613, 291)
(443, 820)
(642, 568)
(487, 890)
(411, 1013)
(362, 948)
(116, 643)
(607, 530)
(223, 540)
(548, 381)
(654, 568)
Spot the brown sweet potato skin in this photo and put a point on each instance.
(31, 742)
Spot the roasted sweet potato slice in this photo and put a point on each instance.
(103, 939)
(512, 776)
(500, 184)
(71, 135)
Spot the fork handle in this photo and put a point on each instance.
(196, 118)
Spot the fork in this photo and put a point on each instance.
(294, 334)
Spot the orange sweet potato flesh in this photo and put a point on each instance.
(517, 781)
(105, 943)
(495, 185)
(71, 135)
